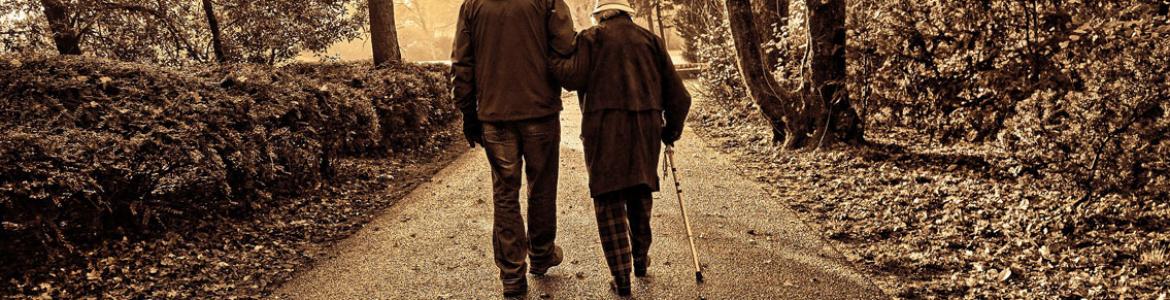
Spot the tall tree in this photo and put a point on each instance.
(661, 25)
(65, 35)
(819, 111)
(383, 33)
(176, 32)
(644, 9)
(775, 103)
(694, 22)
(826, 64)
(213, 25)
(649, 19)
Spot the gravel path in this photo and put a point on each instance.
(435, 243)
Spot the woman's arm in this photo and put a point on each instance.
(573, 71)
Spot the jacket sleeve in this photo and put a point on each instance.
(676, 100)
(463, 65)
(573, 71)
(560, 28)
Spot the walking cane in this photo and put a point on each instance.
(668, 163)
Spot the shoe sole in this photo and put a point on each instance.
(542, 271)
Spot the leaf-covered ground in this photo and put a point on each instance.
(229, 258)
(940, 222)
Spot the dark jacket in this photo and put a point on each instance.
(630, 94)
(501, 55)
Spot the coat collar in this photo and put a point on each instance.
(618, 20)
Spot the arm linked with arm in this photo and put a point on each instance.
(573, 71)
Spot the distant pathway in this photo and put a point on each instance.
(435, 243)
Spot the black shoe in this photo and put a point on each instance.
(620, 286)
(558, 256)
(640, 267)
(517, 289)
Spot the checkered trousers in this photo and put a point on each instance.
(623, 221)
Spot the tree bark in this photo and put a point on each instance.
(772, 15)
(661, 25)
(65, 36)
(213, 24)
(774, 102)
(383, 33)
(820, 108)
(650, 19)
(827, 74)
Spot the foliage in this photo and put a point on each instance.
(412, 102)
(176, 33)
(115, 29)
(288, 27)
(702, 24)
(90, 145)
(1029, 153)
(1070, 88)
(1109, 130)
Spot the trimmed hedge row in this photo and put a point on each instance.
(88, 144)
(412, 101)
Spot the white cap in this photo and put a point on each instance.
(622, 5)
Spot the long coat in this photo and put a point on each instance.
(630, 95)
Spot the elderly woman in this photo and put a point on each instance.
(633, 101)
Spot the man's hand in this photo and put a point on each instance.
(670, 135)
(472, 130)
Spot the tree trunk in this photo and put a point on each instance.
(820, 108)
(650, 20)
(827, 74)
(774, 102)
(213, 24)
(661, 25)
(383, 33)
(772, 15)
(65, 36)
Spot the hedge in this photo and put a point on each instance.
(87, 144)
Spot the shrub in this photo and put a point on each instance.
(412, 102)
(1074, 90)
(88, 145)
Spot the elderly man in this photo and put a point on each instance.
(511, 105)
(633, 100)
